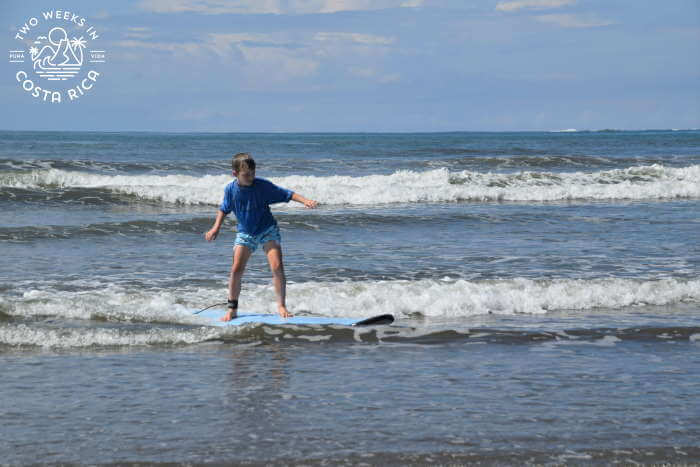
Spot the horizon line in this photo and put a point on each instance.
(569, 130)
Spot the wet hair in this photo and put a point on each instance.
(242, 159)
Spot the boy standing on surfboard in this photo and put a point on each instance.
(250, 199)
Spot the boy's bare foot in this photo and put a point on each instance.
(282, 310)
(230, 314)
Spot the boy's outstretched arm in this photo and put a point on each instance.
(309, 203)
(214, 231)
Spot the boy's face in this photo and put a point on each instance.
(245, 176)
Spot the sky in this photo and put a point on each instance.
(358, 65)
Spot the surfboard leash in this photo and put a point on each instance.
(211, 306)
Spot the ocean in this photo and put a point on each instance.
(546, 289)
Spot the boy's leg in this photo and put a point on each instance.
(241, 254)
(273, 250)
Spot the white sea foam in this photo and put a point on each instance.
(24, 335)
(465, 298)
(432, 298)
(146, 316)
(439, 185)
(111, 303)
(183, 189)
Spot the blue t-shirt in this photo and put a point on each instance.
(251, 204)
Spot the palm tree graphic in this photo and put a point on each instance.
(78, 45)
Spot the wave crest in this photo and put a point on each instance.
(405, 186)
(402, 298)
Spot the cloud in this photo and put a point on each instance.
(365, 39)
(374, 75)
(138, 33)
(562, 20)
(265, 60)
(177, 48)
(275, 57)
(278, 7)
(225, 43)
(279, 57)
(344, 49)
(276, 64)
(212, 7)
(532, 5)
(574, 21)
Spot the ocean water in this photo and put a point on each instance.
(546, 289)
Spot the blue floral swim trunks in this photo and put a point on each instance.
(252, 241)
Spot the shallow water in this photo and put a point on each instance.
(293, 402)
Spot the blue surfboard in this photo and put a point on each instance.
(212, 317)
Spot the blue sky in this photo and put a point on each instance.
(372, 65)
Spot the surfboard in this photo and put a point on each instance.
(212, 318)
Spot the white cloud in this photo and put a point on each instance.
(278, 7)
(263, 54)
(350, 49)
(532, 5)
(178, 48)
(365, 39)
(269, 57)
(138, 33)
(211, 7)
(374, 75)
(574, 21)
(262, 60)
(225, 43)
(275, 64)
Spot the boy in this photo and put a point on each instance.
(250, 198)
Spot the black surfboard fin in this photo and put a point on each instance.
(376, 320)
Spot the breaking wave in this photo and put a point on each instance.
(439, 185)
(118, 316)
